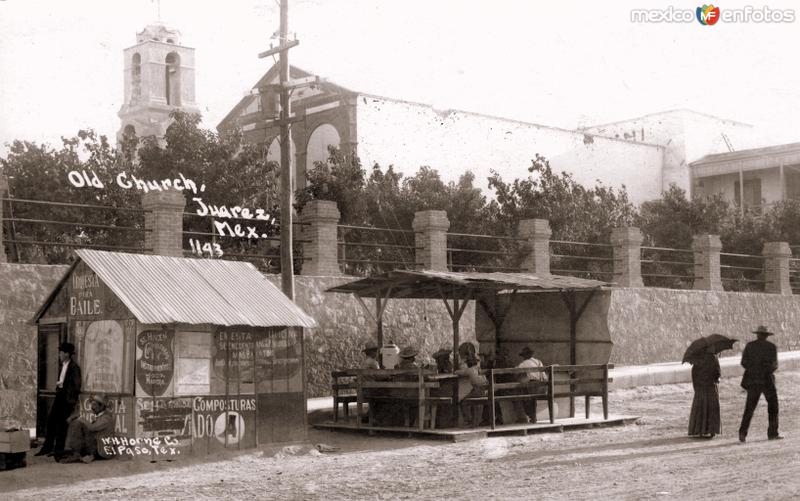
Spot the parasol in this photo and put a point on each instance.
(714, 343)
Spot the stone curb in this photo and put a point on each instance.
(675, 372)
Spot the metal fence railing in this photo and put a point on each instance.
(365, 250)
(667, 267)
(484, 253)
(742, 272)
(45, 232)
(582, 259)
(239, 239)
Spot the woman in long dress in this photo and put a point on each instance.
(704, 419)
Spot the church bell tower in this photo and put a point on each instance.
(159, 78)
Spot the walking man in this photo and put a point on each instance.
(68, 389)
(760, 361)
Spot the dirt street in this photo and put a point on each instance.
(650, 460)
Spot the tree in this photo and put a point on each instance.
(39, 172)
(385, 199)
(234, 174)
(576, 214)
(672, 220)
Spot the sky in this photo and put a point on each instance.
(565, 64)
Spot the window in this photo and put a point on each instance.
(792, 185)
(193, 363)
(136, 78)
(752, 193)
(172, 84)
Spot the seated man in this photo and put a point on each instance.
(370, 357)
(84, 435)
(531, 380)
(408, 358)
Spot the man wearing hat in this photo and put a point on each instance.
(528, 362)
(760, 361)
(370, 356)
(85, 435)
(407, 358)
(68, 389)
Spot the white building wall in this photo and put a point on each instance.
(410, 135)
(686, 136)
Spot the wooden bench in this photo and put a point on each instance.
(409, 387)
(343, 388)
(417, 388)
(581, 381)
(513, 391)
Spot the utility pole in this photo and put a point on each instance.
(286, 86)
(287, 261)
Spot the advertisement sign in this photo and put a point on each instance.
(154, 362)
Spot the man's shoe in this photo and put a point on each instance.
(776, 437)
(44, 452)
(742, 437)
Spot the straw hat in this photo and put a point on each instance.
(408, 352)
(762, 329)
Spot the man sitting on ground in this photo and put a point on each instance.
(85, 434)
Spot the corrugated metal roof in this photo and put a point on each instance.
(160, 289)
(427, 284)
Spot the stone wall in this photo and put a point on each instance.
(23, 289)
(650, 325)
(643, 325)
(344, 327)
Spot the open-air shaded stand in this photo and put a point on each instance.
(457, 289)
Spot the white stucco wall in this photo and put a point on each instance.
(410, 135)
(687, 136)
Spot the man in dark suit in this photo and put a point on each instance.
(760, 361)
(68, 389)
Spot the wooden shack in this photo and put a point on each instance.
(195, 355)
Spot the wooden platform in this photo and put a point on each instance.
(463, 434)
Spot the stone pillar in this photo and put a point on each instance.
(537, 232)
(627, 244)
(776, 268)
(430, 237)
(3, 187)
(706, 262)
(323, 218)
(165, 220)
